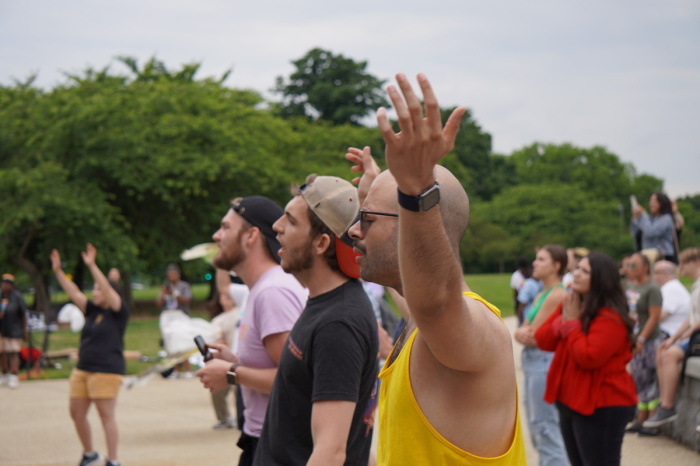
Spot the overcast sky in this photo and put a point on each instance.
(624, 75)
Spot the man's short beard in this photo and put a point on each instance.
(382, 271)
(225, 262)
(302, 262)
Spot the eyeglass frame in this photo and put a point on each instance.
(363, 213)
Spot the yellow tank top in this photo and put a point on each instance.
(405, 435)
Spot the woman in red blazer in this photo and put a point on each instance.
(591, 335)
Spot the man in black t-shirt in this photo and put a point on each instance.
(322, 402)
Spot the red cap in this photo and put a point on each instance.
(346, 259)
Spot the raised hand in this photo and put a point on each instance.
(365, 164)
(55, 260)
(412, 153)
(89, 255)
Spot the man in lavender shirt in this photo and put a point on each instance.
(247, 245)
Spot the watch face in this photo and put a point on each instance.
(429, 198)
(231, 378)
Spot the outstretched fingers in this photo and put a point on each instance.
(452, 127)
(432, 109)
(415, 109)
(385, 126)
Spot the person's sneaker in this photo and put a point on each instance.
(13, 381)
(90, 459)
(228, 423)
(633, 427)
(648, 431)
(661, 417)
(112, 463)
(4, 378)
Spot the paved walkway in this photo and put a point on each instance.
(168, 422)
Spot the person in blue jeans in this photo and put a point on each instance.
(543, 418)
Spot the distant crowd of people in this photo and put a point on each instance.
(602, 350)
(316, 364)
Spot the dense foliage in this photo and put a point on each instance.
(143, 165)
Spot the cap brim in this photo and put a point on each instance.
(346, 259)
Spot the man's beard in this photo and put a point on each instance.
(299, 260)
(228, 262)
(382, 267)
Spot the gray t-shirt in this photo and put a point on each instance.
(639, 299)
(180, 288)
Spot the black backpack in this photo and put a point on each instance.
(693, 350)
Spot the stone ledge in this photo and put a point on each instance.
(683, 429)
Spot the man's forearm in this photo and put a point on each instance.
(260, 380)
(427, 262)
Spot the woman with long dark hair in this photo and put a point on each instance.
(658, 227)
(591, 336)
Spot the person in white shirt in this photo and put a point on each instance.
(672, 350)
(676, 298)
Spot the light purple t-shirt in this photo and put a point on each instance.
(274, 304)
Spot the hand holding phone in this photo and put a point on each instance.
(199, 341)
(633, 201)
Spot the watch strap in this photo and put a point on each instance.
(418, 203)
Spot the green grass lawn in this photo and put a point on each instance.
(494, 288)
(143, 334)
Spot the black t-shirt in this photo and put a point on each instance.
(12, 323)
(102, 340)
(331, 354)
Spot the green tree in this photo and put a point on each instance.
(330, 87)
(556, 213)
(689, 207)
(143, 165)
(488, 173)
(597, 171)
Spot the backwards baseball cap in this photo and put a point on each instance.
(336, 203)
(262, 213)
(8, 277)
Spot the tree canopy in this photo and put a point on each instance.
(143, 165)
(330, 87)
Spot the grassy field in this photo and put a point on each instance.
(143, 334)
(494, 288)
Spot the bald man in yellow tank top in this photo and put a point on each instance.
(448, 393)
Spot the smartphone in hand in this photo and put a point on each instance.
(199, 341)
(633, 201)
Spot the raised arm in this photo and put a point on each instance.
(112, 299)
(460, 332)
(71, 289)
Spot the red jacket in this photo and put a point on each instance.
(588, 370)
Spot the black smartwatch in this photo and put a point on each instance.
(422, 202)
(231, 376)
